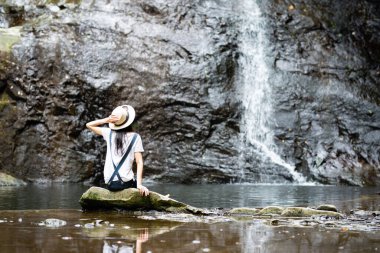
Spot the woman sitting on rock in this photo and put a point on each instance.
(123, 146)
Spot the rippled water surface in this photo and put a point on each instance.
(27, 230)
(207, 196)
(24, 231)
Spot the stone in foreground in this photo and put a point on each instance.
(131, 200)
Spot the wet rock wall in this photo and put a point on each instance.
(176, 62)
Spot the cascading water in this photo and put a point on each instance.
(255, 87)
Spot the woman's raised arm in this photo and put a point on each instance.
(94, 125)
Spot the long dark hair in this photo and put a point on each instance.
(121, 139)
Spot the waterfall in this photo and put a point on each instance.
(255, 86)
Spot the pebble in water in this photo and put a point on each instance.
(98, 223)
(89, 225)
(54, 223)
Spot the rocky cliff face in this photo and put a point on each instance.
(327, 53)
(64, 63)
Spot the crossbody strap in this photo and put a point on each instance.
(117, 168)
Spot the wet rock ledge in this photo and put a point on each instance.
(97, 198)
(131, 200)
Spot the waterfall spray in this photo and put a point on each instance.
(254, 80)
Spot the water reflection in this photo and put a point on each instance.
(122, 232)
(41, 196)
(245, 195)
(123, 247)
(55, 196)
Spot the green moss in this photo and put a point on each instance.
(271, 210)
(307, 212)
(42, 2)
(4, 101)
(73, 1)
(244, 210)
(8, 37)
(130, 199)
(326, 207)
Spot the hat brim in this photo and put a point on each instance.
(131, 118)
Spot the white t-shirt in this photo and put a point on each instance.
(125, 171)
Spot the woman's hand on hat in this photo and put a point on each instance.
(143, 190)
(113, 118)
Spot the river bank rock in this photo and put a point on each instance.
(8, 180)
(326, 207)
(244, 210)
(308, 212)
(131, 200)
(285, 211)
(269, 210)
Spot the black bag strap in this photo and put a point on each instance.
(117, 168)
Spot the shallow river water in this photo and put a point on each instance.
(24, 227)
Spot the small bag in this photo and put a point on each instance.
(121, 185)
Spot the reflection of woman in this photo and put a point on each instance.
(120, 247)
(117, 247)
(123, 146)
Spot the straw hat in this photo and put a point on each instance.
(127, 116)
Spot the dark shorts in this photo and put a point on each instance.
(121, 185)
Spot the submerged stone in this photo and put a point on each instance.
(307, 212)
(131, 200)
(8, 180)
(54, 223)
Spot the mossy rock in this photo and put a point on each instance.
(307, 212)
(271, 210)
(4, 101)
(8, 180)
(8, 37)
(244, 210)
(326, 207)
(131, 200)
